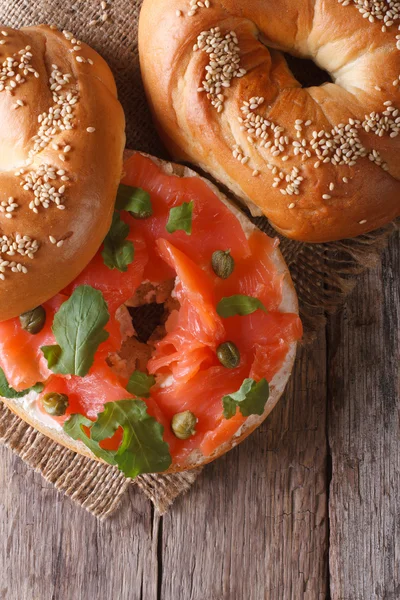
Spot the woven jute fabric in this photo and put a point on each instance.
(323, 273)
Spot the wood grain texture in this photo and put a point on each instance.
(50, 549)
(364, 436)
(255, 525)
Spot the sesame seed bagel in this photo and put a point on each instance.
(322, 163)
(60, 164)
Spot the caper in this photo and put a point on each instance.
(33, 320)
(183, 424)
(143, 214)
(55, 404)
(222, 263)
(228, 355)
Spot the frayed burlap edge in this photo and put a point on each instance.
(96, 487)
(323, 273)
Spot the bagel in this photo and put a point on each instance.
(169, 181)
(322, 163)
(57, 151)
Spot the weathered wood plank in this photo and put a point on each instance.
(50, 549)
(364, 435)
(255, 526)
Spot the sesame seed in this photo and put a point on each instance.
(291, 205)
(385, 12)
(224, 63)
(52, 239)
(90, 129)
(45, 193)
(16, 69)
(16, 244)
(178, 13)
(60, 116)
(363, 222)
(326, 197)
(331, 187)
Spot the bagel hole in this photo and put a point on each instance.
(306, 71)
(149, 309)
(146, 319)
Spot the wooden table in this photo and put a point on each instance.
(306, 508)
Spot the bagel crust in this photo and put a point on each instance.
(60, 162)
(322, 163)
(26, 408)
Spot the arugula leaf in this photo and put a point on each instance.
(140, 383)
(251, 399)
(78, 327)
(239, 305)
(52, 354)
(118, 252)
(74, 428)
(135, 200)
(180, 218)
(142, 449)
(8, 392)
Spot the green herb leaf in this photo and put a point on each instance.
(8, 392)
(239, 305)
(251, 399)
(118, 252)
(142, 449)
(180, 218)
(140, 383)
(134, 200)
(78, 327)
(52, 354)
(74, 428)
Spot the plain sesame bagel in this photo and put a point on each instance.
(60, 162)
(274, 341)
(322, 163)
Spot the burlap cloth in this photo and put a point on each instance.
(323, 273)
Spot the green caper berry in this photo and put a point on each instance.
(183, 424)
(222, 263)
(55, 404)
(144, 214)
(33, 320)
(228, 355)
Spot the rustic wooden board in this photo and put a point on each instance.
(255, 526)
(364, 436)
(52, 550)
